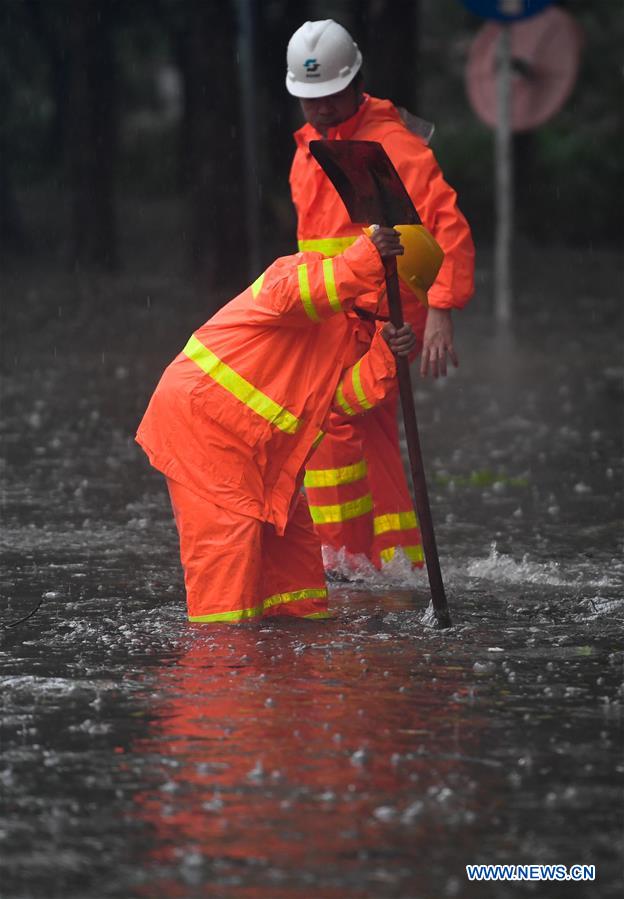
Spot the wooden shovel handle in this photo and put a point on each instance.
(438, 596)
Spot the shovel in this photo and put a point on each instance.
(373, 193)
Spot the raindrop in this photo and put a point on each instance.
(385, 813)
(453, 886)
(257, 772)
(413, 811)
(360, 757)
(484, 667)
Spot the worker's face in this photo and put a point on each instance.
(327, 112)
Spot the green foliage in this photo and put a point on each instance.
(579, 173)
(466, 157)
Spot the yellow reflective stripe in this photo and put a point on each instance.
(239, 387)
(330, 285)
(304, 291)
(413, 553)
(320, 615)
(238, 615)
(357, 387)
(331, 477)
(278, 599)
(256, 287)
(354, 508)
(399, 521)
(340, 399)
(328, 246)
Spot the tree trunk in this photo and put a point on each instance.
(525, 184)
(47, 24)
(92, 134)
(278, 117)
(213, 155)
(391, 65)
(12, 235)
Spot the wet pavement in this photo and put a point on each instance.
(362, 758)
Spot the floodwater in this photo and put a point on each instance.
(362, 758)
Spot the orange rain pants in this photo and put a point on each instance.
(237, 567)
(358, 492)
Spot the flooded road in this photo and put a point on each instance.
(361, 758)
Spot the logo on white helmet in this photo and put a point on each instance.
(312, 67)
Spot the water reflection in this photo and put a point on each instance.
(289, 757)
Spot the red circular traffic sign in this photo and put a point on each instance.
(545, 56)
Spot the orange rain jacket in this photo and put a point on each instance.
(323, 221)
(237, 413)
(359, 498)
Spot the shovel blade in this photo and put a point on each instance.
(367, 182)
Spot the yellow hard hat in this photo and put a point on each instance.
(419, 265)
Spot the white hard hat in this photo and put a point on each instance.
(322, 59)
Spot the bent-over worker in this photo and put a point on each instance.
(237, 414)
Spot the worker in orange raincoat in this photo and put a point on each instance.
(355, 482)
(238, 412)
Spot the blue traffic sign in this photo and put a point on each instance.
(506, 10)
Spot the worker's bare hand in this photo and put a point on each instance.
(387, 241)
(400, 340)
(437, 343)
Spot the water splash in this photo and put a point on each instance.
(503, 568)
(429, 618)
(341, 565)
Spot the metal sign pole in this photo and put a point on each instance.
(504, 182)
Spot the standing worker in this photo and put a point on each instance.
(238, 412)
(355, 482)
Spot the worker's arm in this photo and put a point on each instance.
(436, 203)
(372, 379)
(311, 291)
